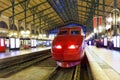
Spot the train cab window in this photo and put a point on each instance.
(62, 33)
(75, 32)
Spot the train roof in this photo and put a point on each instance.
(73, 27)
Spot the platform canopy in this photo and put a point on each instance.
(50, 14)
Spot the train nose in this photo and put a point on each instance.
(67, 64)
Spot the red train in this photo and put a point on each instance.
(68, 46)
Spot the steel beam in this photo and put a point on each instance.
(65, 8)
(41, 17)
(96, 3)
(12, 19)
(92, 11)
(54, 7)
(115, 16)
(103, 7)
(94, 8)
(86, 12)
(40, 21)
(51, 23)
(12, 6)
(33, 11)
(24, 6)
(36, 13)
(48, 21)
(98, 19)
(76, 9)
(45, 27)
(30, 8)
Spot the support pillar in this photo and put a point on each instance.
(104, 18)
(115, 17)
(12, 20)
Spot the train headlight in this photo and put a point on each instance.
(58, 46)
(73, 47)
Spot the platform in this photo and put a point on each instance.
(13, 53)
(104, 63)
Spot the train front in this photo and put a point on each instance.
(67, 49)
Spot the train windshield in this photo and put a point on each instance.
(62, 33)
(75, 32)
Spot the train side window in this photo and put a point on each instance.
(62, 33)
(75, 32)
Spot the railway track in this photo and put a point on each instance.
(79, 72)
(85, 70)
(9, 70)
(62, 74)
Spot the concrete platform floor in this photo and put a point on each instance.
(108, 62)
(13, 53)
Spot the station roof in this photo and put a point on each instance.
(49, 14)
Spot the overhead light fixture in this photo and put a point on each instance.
(27, 32)
(109, 19)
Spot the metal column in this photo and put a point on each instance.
(25, 7)
(115, 13)
(33, 12)
(103, 16)
(12, 20)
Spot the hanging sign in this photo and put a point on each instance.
(100, 21)
(95, 22)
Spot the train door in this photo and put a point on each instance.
(2, 45)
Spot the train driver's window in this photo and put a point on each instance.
(75, 32)
(62, 33)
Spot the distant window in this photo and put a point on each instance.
(3, 25)
(75, 32)
(62, 32)
(33, 32)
